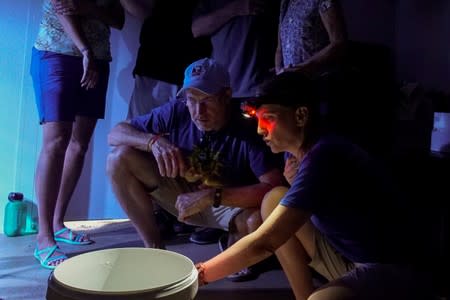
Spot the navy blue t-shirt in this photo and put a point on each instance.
(351, 199)
(242, 155)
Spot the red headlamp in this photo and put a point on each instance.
(248, 110)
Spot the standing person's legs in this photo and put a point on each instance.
(73, 164)
(54, 104)
(56, 81)
(89, 105)
(49, 169)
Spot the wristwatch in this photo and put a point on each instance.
(217, 197)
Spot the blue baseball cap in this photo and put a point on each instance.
(205, 75)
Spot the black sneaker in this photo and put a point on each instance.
(180, 228)
(164, 223)
(245, 274)
(206, 236)
(223, 242)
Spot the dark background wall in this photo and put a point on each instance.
(422, 41)
(417, 31)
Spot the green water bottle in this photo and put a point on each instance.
(15, 215)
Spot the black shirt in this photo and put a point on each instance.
(167, 45)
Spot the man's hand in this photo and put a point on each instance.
(73, 7)
(169, 158)
(290, 169)
(90, 72)
(191, 175)
(191, 203)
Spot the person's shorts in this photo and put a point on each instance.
(58, 92)
(166, 196)
(370, 281)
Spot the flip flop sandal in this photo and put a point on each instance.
(73, 239)
(48, 258)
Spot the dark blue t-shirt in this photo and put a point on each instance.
(245, 44)
(241, 154)
(351, 199)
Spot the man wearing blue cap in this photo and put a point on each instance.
(196, 157)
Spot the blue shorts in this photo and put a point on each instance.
(58, 92)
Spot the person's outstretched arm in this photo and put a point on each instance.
(277, 229)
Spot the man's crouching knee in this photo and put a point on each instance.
(117, 162)
(247, 221)
(123, 161)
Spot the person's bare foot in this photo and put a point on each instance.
(66, 235)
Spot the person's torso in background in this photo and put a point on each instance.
(246, 46)
(52, 37)
(167, 45)
(302, 33)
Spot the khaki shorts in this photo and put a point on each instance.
(166, 196)
(370, 281)
(327, 261)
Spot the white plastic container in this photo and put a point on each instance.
(125, 273)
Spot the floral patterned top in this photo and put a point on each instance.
(52, 37)
(302, 33)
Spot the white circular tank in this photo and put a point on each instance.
(128, 273)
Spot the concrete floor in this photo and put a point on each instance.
(22, 278)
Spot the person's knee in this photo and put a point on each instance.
(254, 220)
(333, 293)
(271, 200)
(246, 221)
(78, 147)
(57, 146)
(117, 161)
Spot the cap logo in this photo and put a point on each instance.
(197, 70)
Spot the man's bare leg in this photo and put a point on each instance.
(132, 176)
(244, 223)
